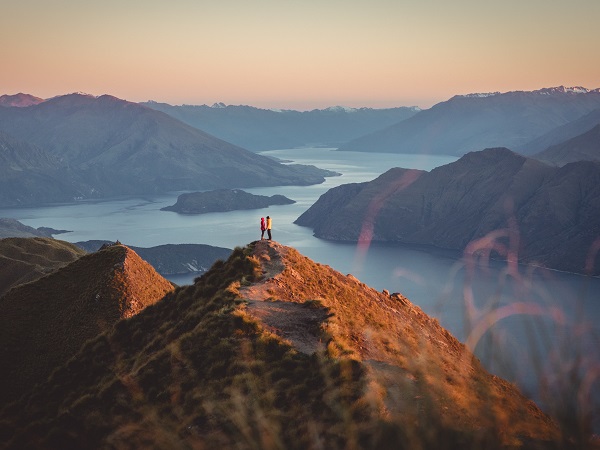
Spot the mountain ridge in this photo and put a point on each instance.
(265, 129)
(374, 371)
(470, 123)
(106, 146)
(550, 214)
(45, 322)
(19, 100)
(585, 147)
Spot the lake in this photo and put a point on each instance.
(535, 327)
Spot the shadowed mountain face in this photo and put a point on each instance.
(26, 259)
(44, 323)
(270, 349)
(490, 201)
(467, 123)
(561, 134)
(105, 146)
(585, 147)
(263, 129)
(30, 175)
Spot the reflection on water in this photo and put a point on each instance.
(536, 327)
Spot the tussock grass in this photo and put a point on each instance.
(197, 370)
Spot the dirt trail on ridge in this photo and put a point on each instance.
(298, 323)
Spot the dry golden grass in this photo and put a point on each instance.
(44, 323)
(26, 259)
(201, 369)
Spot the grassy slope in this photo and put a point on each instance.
(27, 259)
(44, 323)
(198, 370)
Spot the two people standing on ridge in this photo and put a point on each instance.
(265, 226)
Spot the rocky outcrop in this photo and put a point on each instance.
(222, 200)
(493, 201)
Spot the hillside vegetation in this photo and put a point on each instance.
(27, 259)
(44, 323)
(272, 350)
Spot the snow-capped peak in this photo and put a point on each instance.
(479, 95)
(340, 109)
(84, 94)
(219, 105)
(563, 90)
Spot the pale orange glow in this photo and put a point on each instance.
(297, 54)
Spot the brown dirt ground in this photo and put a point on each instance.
(297, 323)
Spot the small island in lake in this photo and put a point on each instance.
(222, 200)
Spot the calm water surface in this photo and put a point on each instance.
(542, 325)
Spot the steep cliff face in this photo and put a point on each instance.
(272, 350)
(44, 323)
(537, 213)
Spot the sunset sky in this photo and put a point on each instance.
(299, 54)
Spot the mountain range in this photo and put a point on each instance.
(79, 146)
(265, 129)
(493, 202)
(473, 122)
(266, 350)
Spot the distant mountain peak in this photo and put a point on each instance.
(219, 105)
(544, 91)
(84, 94)
(20, 100)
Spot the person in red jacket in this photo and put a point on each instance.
(263, 227)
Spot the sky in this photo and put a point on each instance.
(296, 54)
